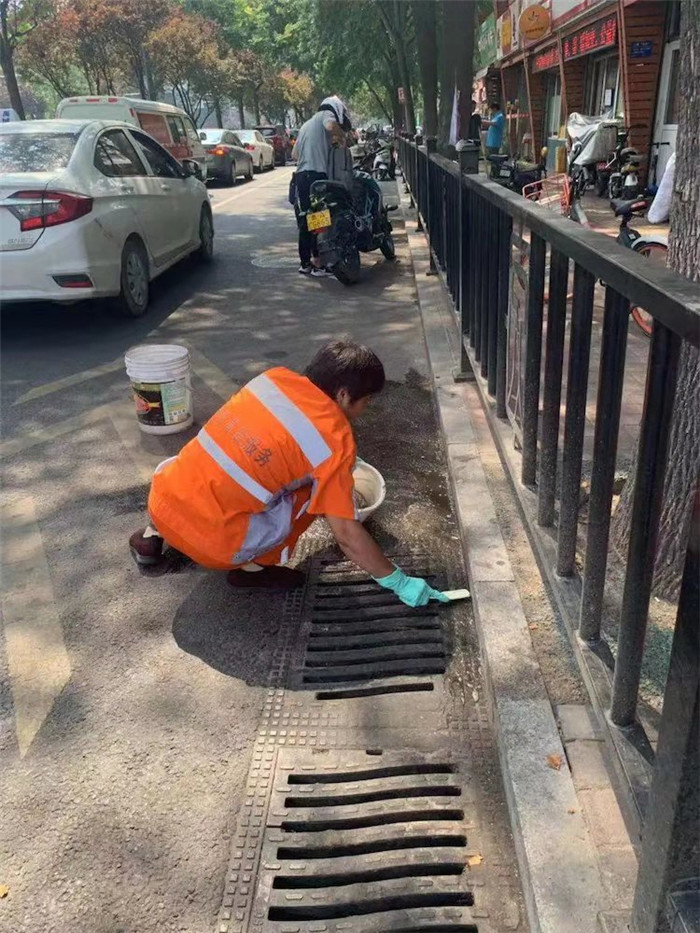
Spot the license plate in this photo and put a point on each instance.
(504, 173)
(318, 220)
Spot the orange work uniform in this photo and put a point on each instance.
(277, 454)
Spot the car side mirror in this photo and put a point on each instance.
(191, 168)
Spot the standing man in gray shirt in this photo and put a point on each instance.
(316, 138)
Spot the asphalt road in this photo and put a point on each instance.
(128, 705)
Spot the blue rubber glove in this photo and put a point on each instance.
(411, 590)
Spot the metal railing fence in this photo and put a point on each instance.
(478, 234)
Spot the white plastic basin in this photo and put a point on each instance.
(370, 484)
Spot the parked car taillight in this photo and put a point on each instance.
(48, 208)
(249, 146)
(220, 150)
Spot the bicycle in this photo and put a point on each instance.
(654, 248)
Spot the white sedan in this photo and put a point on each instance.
(93, 209)
(262, 152)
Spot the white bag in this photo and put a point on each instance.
(660, 209)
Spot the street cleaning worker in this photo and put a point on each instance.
(279, 453)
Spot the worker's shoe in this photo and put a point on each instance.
(269, 578)
(146, 551)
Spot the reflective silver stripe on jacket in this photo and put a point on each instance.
(266, 530)
(294, 420)
(230, 467)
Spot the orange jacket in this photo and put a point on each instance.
(277, 449)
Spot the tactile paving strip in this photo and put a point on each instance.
(425, 718)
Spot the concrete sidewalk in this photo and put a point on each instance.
(576, 858)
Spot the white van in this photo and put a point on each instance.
(169, 125)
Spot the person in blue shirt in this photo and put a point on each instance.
(496, 125)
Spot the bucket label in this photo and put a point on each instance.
(161, 403)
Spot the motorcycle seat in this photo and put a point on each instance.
(623, 208)
(499, 159)
(332, 187)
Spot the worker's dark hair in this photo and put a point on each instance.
(495, 105)
(345, 364)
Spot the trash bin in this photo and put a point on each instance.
(469, 157)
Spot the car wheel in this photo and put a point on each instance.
(273, 164)
(134, 279)
(261, 166)
(205, 253)
(249, 173)
(230, 177)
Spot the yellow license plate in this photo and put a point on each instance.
(318, 220)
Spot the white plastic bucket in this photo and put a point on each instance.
(160, 381)
(370, 484)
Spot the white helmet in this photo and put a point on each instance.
(338, 108)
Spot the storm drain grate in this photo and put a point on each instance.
(359, 632)
(357, 848)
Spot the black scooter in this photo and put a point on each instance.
(349, 221)
(515, 173)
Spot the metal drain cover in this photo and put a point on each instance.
(365, 843)
(358, 632)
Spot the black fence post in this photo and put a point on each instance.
(575, 423)
(464, 198)
(477, 271)
(484, 273)
(646, 512)
(430, 146)
(533, 359)
(504, 251)
(670, 852)
(553, 367)
(607, 422)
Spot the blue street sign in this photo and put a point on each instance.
(641, 49)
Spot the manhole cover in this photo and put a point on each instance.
(266, 260)
(358, 632)
(365, 844)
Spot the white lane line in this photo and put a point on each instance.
(57, 385)
(29, 439)
(249, 189)
(124, 418)
(36, 653)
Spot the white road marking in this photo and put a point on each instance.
(249, 189)
(49, 387)
(36, 653)
(29, 439)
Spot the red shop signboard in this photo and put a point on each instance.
(601, 35)
(543, 61)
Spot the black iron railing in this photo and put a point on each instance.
(495, 248)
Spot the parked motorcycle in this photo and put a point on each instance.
(382, 169)
(515, 173)
(591, 140)
(349, 220)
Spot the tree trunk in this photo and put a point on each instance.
(8, 69)
(465, 63)
(217, 111)
(683, 464)
(426, 42)
(381, 103)
(394, 20)
(256, 107)
(448, 55)
(241, 113)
